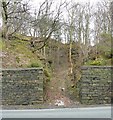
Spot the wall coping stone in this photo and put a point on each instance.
(20, 69)
(105, 67)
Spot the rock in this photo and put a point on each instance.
(63, 89)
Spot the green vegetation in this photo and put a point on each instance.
(22, 37)
(101, 54)
(104, 47)
(99, 62)
(2, 44)
(19, 53)
(37, 63)
(47, 73)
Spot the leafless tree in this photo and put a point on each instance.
(111, 9)
(13, 16)
(102, 21)
(71, 18)
(46, 23)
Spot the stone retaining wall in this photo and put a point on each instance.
(22, 86)
(95, 85)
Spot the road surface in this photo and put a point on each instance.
(95, 112)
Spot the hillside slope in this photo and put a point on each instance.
(17, 53)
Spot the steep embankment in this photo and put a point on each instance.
(18, 53)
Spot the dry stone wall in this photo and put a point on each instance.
(22, 86)
(95, 85)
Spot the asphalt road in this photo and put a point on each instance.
(95, 112)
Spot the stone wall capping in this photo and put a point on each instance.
(20, 69)
(89, 67)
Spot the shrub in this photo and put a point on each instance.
(17, 59)
(36, 64)
(47, 74)
(97, 62)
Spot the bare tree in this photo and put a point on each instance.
(46, 23)
(13, 15)
(102, 21)
(71, 29)
(111, 9)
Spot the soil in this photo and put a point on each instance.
(56, 90)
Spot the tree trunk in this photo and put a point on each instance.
(4, 19)
(70, 53)
(44, 51)
(70, 59)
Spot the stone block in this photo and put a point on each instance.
(20, 85)
(95, 84)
